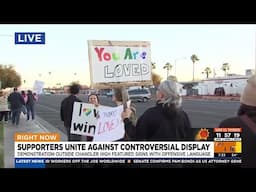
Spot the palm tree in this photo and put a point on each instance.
(225, 68)
(207, 71)
(153, 65)
(168, 67)
(194, 58)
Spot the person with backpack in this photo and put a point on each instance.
(166, 121)
(246, 119)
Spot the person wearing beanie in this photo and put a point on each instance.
(246, 119)
(166, 121)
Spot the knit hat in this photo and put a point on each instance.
(169, 87)
(249, 94)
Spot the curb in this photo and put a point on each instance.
(1, 145)
(47, 127)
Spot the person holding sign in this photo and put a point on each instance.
(165, 122)
(93, 99)
(66, 111)
(118, 99)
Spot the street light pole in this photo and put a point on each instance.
(49, 78)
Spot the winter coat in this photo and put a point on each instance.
(156, 125)
(248, 139)
(30, 100)
(67, 109)
(3, 103)
(16, 100)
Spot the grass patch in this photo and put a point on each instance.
(1, 145)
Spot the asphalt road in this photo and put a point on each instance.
(202, 113)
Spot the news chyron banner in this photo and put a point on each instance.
(45, 150)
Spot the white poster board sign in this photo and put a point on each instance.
(118, 63)
(83, 119)
(38, 87)
(110, 126)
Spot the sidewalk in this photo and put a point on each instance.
(36, 126)
(1, 145)
(212, 98)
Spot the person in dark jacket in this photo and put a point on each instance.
(30, 105)
(16, 102)
(165, 122)
(67, 110)
(246, 119)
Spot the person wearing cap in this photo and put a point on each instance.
(246, 119)
(166, 121)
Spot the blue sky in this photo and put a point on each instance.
(66, 52)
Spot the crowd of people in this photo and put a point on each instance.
(12, 105)
(167, 121)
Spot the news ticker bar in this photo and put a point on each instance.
(114, 149)
(209, 149)
(69, 162)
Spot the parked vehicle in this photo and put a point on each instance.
(109, 94)
(141, 95)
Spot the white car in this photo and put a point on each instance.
(47, 93)
(139, 95)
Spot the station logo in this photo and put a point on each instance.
(202, 134)
(29, 38)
